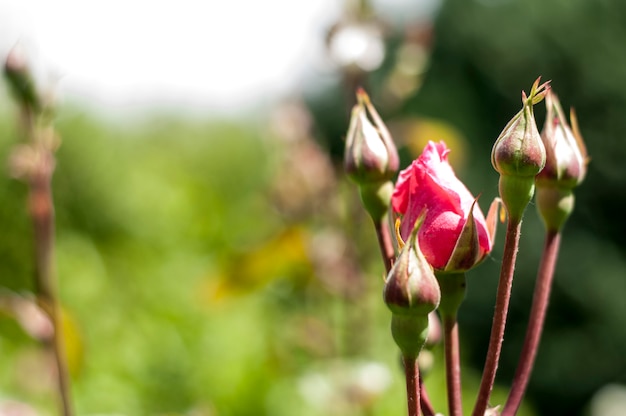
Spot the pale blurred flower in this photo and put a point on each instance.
(357, 45)
(343, 385)
(610, 400)
(14, 408)
(31, 317)
(371, 378)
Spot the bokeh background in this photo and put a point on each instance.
(213, 260)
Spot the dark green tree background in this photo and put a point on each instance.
(483, 54)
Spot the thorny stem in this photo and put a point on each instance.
(384, 242)
(453, 365)
(411, 369)
(511, 246)
(536, 320)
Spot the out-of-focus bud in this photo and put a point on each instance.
(370, 156)
(20, 79)
(566, 165)
(519, 154)
(435, 332)
(426, 359)
(411, 292)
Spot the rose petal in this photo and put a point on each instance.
(430, 184)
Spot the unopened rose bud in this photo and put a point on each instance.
(566, 154)
(519, 154)
(411, 293)
(370, 156)
(20, 79)
(566, 165)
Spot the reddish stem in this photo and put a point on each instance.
(384, 242)
(536, 320)
(511, 245)
(453, 365)
(41, 210)
(42, 213)
(411, 369)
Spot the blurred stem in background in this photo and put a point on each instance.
(33, 161)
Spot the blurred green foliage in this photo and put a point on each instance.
(185, 289)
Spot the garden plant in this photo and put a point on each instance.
(441, 233)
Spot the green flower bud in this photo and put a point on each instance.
(411, 287)
(516, 192)
(566, 165)
(519, 151)
(376, 198)
(554, 205)
(519, 154)
(411, 292)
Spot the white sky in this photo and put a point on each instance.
(220, 53)
(128, 54)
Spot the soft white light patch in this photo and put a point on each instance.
(224, 53)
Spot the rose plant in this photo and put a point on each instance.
(447, 234)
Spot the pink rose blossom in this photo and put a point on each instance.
(430, 184)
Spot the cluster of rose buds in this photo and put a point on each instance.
(441, 230)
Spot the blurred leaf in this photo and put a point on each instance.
(72, 338)
(282, 256)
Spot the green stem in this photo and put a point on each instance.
(409, 333)
(453, 365)
(536, 320)
(511, 246)
(452, 294)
